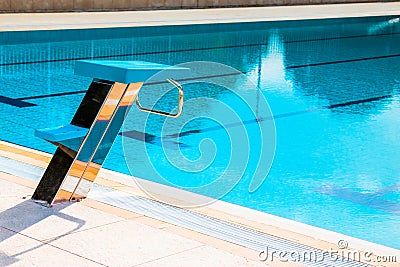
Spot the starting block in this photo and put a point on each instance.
(83, 144)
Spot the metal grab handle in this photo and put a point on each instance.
(163, 113)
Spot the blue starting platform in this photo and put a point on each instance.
(84, 143)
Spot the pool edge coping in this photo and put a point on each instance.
(92, 20)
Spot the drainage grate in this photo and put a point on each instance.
(213, 227)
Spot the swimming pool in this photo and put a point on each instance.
(332, 85)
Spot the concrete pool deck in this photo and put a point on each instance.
(117, 237)
(82, 20)
(92, 234)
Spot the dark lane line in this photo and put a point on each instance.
(154, 140)
(343, 37)
(356, 102)
(15, 102)
(341, 61)
(203, 77)
(188, 50)
(21, 103)
(51, 95)
(279, 116)
(125, 55)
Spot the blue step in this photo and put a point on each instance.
(61, 133)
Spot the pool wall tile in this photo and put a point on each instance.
(126, 32)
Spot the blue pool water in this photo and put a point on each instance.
(333, 88)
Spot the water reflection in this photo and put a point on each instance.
(274, 74)
(384, 26)
(352, 81)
